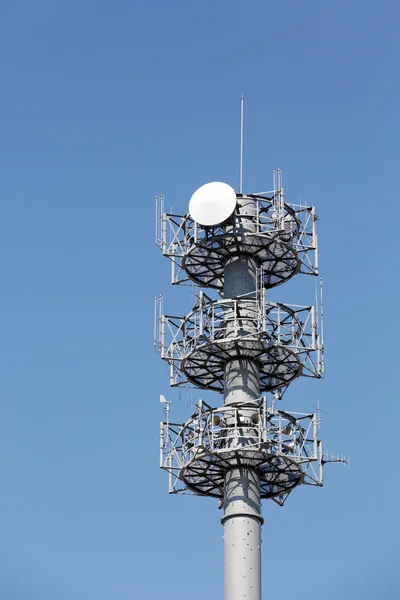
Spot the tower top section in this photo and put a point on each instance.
(242, 245)
(222, 224)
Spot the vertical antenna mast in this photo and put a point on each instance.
(241, 145)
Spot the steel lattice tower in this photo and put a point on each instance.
(250, 349)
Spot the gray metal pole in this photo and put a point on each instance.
(242, 535)
(242, 507)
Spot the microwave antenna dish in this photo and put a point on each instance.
(212, 203)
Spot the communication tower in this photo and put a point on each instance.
(248, 348)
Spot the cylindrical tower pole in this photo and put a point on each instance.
(242, 507)
(242, 535)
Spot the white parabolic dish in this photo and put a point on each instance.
(212, 203)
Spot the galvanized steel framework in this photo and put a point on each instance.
(244, 346)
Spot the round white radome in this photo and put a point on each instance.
(212, 203)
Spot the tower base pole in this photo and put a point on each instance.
(242, 535)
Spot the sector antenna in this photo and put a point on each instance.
(249, 348)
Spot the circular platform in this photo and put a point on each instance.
(205, 473)
(205, 365)
(205, 261)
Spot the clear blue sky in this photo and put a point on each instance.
(104, 105)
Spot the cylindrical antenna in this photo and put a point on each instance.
(241, 146)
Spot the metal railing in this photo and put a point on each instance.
(250, 317)
(253, 429)
(291, 223)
